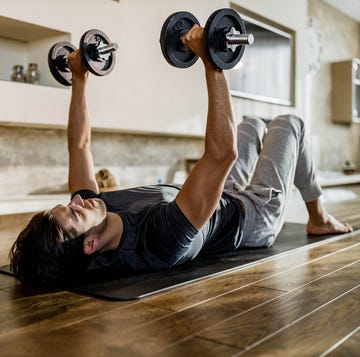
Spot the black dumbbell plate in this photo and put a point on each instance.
(57, 61)
(218, 24)
(174, 28)
(89, 42)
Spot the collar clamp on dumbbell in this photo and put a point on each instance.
(235, 38)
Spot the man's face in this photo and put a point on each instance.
(81, 216)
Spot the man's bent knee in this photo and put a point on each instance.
(256, 122)
(253, 126)
(290, 122)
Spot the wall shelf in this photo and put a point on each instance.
(25, 104)
(345, 101)
(23, 43)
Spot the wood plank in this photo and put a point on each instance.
(78, 312)
(189, 295)
(15, 313)
(44, 326)
(39, 310)
(349, 346)
(35, 300)
(7, 281)
(7, 238)
(316, 332)
(27, 309)
(318, 268)
(198, 347)
(10, 226)
(18, 220)
(343, 209)
(348, 212)
(211, 306)
(120, 331)
(3, 296)
(273, 316)
(170, 322)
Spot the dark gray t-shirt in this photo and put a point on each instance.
(157, 234)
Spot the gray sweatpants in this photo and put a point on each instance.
(270, 161)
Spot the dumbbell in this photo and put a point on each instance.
(96, 51)
(225, 39)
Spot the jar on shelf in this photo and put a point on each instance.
(32, 74)
(17, 73)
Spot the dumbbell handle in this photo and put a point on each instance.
(234, 38)
(241, 39)
(111, 47)
(103, 50)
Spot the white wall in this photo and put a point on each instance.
(144, 93)
(334, 143)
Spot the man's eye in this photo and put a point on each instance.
(75, 213)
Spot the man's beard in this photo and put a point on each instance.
(98, 229)
(101, 204)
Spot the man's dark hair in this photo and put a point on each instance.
(44, 255)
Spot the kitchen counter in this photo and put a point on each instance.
(31, 203)
(337, 178)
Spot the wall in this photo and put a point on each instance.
(127, 98)
(33, 158)
(36, 159)
(143, 93)
(340, 40)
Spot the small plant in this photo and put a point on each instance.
(349, 168)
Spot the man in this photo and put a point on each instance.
(158, 227)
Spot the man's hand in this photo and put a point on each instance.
(77, 66)
(194, 40)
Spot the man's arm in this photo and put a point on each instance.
(202, 190)
(81, 165)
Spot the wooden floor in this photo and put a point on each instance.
(304, 303)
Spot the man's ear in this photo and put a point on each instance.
(90, 245)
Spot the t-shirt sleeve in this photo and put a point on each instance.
(169, 234)
(85, 194)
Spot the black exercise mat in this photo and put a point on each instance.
(112, 285)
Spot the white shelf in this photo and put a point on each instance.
(30, 104)
(23, 43)
(333, 178)
(22, 104)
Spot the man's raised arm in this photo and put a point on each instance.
(81, 165)
(202, 190)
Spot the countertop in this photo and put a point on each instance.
(31, 203)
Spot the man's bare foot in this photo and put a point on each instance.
(321, 222)
(326, 224)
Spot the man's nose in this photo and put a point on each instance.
(77, 200)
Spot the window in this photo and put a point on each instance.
(267, 68)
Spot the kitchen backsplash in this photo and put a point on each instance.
(36, 159)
